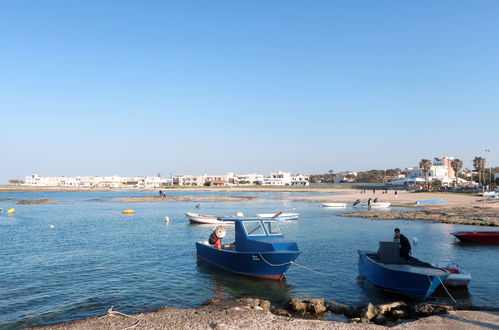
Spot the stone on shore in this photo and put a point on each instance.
(424, 310)
(369, 312)
(307, 306)
(336, 307)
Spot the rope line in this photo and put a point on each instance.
(304, 267)
(451, 297)
(110, 312)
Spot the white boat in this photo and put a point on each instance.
(489, 194)
(335, 205)
(377, 205)
(458, 276)
(207, 219)
(280, 217)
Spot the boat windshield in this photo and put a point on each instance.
(254, 228)
(272, 228)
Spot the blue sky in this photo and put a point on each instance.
(193, 87)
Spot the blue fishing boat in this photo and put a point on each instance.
(259, 250)
(387, 270)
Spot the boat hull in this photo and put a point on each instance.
(400, 279)
(282, 217)
(483, 237)
(269, 265)
(335, 205)
(206, 219)
(377, 205)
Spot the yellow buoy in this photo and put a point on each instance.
(128, 211)
(11, 211)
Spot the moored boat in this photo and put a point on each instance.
(280, 216)
(334, 205)
(375, 205)
(207, 219)
(484, 237)
(458, 276)
(259, 250)
(387, 270)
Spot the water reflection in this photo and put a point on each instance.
(228, 286)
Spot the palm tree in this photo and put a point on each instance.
(425, 166)
(457, 165)
(479, 165)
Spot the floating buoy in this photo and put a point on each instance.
(128, 211)
(52, 226)
(415, 240)
(167, 219)
(11, 211)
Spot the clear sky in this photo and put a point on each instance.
(193, 87)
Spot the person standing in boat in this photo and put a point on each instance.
(405, 246)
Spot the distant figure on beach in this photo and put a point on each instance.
(369, 203)
(396, 194)
(375, 200)
(405, 246)
(374, 191)
(161, 193)
(356, 202)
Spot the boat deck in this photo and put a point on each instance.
(412, 266)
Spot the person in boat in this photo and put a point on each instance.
(405, 246)
(216, 237)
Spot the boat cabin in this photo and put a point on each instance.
(262, 235)
(389, 253)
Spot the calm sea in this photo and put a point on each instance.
(78, 257)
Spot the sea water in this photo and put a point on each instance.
(78, 257)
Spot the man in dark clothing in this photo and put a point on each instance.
(405, 246)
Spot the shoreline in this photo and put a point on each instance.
(252, 313)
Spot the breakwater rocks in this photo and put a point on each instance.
(379, 314)
(38, 201)
(184, 199)
(478, 216)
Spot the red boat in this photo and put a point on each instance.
(486, 237)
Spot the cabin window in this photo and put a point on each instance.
(272, 228)
(254, 228)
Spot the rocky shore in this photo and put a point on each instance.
(477, 215)
(252, 313)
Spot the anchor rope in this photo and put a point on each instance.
(304, 267)
(111, 312)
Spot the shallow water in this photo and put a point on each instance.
(94, 257)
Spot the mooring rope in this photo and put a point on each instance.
(304, 267)
(111, 312)
(451, 297)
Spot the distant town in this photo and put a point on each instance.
(443, 171)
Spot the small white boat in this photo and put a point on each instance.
(335, 205)
(458, 276)
(280, 217)
(207, 219)
(377, 205)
